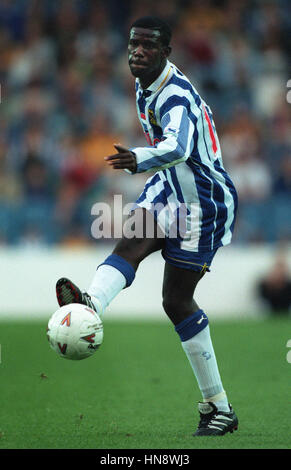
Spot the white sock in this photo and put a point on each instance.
(106, 284)
(200, 353)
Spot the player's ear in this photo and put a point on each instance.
(167, 51)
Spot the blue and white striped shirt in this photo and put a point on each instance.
(183, 148)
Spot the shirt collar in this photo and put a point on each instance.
(159, 82)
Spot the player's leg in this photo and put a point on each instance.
(191, 324)
(118, 269)
(178, 292)
(149, 238)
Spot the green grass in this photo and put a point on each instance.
(138, 391)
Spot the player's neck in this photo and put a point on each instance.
(146, 81)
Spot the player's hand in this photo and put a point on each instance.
(124, 159)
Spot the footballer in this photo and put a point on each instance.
(187, 175)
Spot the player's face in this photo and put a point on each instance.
(146, 54)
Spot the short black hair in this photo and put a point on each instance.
(153, 22)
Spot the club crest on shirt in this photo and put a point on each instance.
(152, 117)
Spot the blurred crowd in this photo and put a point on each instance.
(67, 96)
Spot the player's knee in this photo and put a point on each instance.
(175, 307)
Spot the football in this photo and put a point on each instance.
(75, 331)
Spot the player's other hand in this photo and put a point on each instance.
(124, 159)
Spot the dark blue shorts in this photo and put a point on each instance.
(194, 261)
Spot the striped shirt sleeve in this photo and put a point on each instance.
(177, 122)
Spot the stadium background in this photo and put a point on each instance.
(66, 97)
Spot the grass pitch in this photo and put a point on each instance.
(138, 391)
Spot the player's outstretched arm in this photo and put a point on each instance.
(123, 160)
(176, 143)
